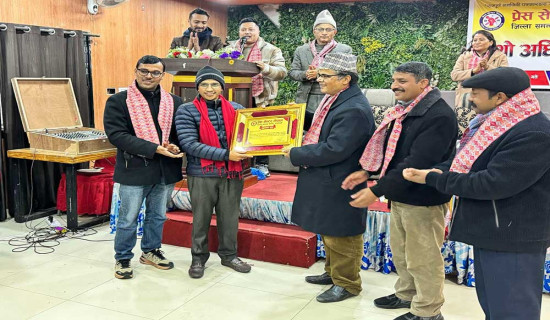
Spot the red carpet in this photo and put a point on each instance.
(258, 240)
(279, 186)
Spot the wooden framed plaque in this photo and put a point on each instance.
(266, 131)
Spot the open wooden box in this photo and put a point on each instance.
(50, 117)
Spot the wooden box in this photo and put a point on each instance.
(50, 117)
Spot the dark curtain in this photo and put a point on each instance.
(32, 53)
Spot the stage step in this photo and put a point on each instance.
(258, 240)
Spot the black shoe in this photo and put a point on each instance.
(334, 294)
(123, 270)
(391, 302)
(237, 265)
(320, 279)
(410, 316)
(196, 270)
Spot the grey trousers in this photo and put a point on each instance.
(221, 194)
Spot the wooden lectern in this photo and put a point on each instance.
(237, 73)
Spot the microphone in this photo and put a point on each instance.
(243, 42)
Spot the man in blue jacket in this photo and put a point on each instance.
(214, 172)
(501, 176)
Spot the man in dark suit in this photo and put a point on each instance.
(501, 175)
(140, 123)
(341, 127)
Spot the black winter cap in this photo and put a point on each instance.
(207, 72)
(509, 80)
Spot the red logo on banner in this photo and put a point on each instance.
(538, 78)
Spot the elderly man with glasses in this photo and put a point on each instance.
(214, 173)
(331, 149)
(139, 122)
(309, 56)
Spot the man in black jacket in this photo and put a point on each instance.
(214, 172)
(331, 149)
(420, 131)
(501, 175)
(139, 122)
(198, 36)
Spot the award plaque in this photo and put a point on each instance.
(266, 131)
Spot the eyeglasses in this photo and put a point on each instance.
(324, 29)
(211, 85)
(145, 72)
(324, 76)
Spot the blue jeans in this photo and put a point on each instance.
(131, 197)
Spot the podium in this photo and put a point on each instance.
(237, 74)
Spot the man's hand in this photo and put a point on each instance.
(286, 152)
(235, 155)
(363, 198)
(311, 73)
(167, 153)
(193, 42)
(171, 147)
(354, 179)
(260, 65)
(418, 176)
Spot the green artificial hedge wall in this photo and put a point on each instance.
(382, 34)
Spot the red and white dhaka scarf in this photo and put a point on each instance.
(474, 61)
(318, 58)
(257, 80)
(141, 117)
(312, 135)
(373, 156)
(503, 118)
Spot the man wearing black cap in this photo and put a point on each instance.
(501, 176)
(214, 173)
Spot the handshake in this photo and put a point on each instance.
(169, 150)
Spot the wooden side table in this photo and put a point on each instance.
(69, 161)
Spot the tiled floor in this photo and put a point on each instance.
(77, 281)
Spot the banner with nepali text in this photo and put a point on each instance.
(522, 32)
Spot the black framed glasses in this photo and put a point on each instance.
(145, 72)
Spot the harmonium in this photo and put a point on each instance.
(51, 119)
